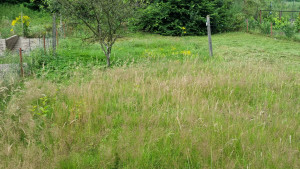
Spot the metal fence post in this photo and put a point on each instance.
(209, 36)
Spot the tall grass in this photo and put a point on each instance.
(239, 109)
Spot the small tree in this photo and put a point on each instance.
(103, 17)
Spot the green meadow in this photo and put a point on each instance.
(164, 103)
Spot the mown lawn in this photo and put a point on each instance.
(163, 104)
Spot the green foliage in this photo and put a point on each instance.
(44, 107)
(289, 30)
(252, 23)
(265, 27)
(168, 17)
(285, 26)
(32, 4)
(297, 24)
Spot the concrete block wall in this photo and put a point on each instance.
(14, 43)
(27, 44)
(11, 41)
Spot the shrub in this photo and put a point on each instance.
(265, 27)
(252, 23)
(288, 30)
(285, 26)
(168, 17)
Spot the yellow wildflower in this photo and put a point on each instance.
(14, 22)
(184, 32)
(12, 30)
(26, 17)
(186, 52)
(183, 28)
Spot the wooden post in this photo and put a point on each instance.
(44, 44)
(271, 29)
(260, 16)
(247, 25)
(21, 63)
(209, 36)
(54, 33)
(280, 13)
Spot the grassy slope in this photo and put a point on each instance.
(174, 109)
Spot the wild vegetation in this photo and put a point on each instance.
(163, 103)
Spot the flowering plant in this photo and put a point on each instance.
(25, 21)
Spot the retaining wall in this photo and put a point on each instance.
(14, 43)
(11, 41)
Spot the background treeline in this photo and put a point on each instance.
(188, 17)
(32, 4)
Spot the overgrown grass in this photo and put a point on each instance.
(164, 104)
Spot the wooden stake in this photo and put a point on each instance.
(271, 29)
(260, 16)
(247, 25)
(21, 63)
(209, 36)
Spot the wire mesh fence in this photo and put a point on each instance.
(277, 23)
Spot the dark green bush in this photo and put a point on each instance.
(188, 17)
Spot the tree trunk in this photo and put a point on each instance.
(108, 60)
(108, 56)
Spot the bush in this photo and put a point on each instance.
(288, 30)
(265, 27)
(285, 26)
(170, 17)
(253, 24)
